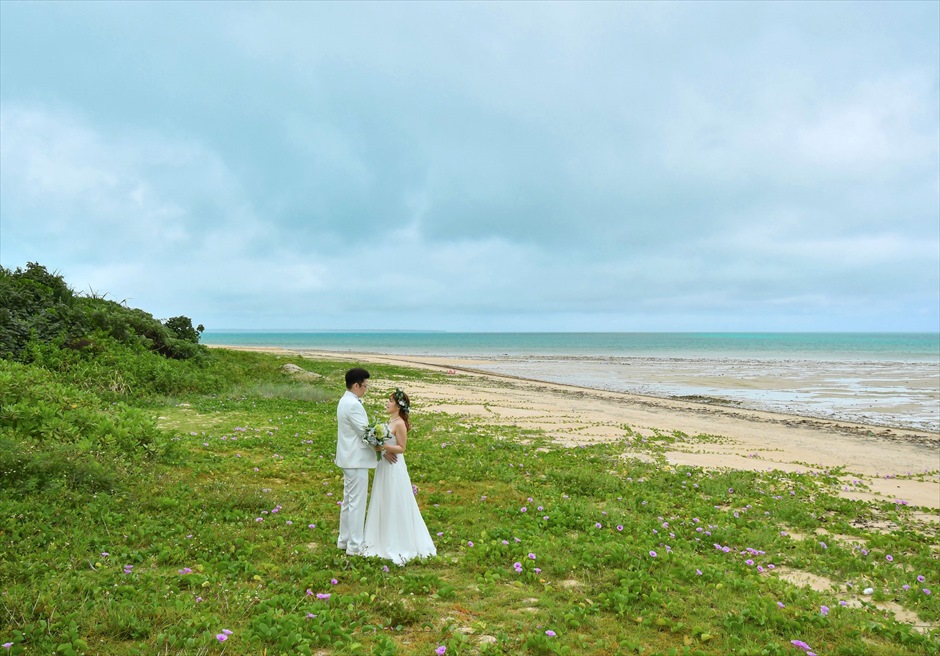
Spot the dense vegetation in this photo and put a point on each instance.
(160, 497)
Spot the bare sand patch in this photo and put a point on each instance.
(850, 597)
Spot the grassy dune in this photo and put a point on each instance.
(219, 537)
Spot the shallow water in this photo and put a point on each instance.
(898, 394)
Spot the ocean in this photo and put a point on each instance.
(884, 379)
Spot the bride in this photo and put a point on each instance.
(394, 527)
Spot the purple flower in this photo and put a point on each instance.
(221, 637)
(7, 645)
(537, 570)
(550, 633)
(920, 579)
(780, 604)
(699, 572)
(653, 554)
(926, 591)
(311, 526)
(323, 596)
(619, 527)
(800, 644)
(186, 570)
(440, 651)
(226, 632)
(824, 610)
(889, 558)
(470, 543)
(598, 525)
(531, 556)
(333, 581)
(523, 509)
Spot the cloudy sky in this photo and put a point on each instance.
(480, 166)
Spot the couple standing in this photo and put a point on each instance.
(394, 528)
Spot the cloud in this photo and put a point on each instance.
(489, 166)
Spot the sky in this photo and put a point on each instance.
(461, 166)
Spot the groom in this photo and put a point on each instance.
(356, 458)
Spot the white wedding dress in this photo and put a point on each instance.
(395, 529)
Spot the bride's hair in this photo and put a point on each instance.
(404, 406)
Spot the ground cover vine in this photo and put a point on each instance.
(219, 537)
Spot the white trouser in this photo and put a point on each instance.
(352, 516)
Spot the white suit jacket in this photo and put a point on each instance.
(352, 421)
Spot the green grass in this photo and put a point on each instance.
(230, 524)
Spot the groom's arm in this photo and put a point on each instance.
(359, 420)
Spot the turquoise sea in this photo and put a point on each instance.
(884, 379)
(901, 347)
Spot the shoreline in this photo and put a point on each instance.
(902, 396)
(880, 463)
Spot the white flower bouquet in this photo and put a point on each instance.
(377, 435)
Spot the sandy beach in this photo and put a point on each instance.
(895, 464)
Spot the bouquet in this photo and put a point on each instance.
(376, 435)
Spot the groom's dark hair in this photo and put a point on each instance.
(356, 375)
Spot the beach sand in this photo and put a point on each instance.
(896, 464)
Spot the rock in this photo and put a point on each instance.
(299, 372)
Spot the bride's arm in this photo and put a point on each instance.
(401, 437)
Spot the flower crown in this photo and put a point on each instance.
(400, 400)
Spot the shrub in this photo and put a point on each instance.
(53, 433)
(38, 307)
